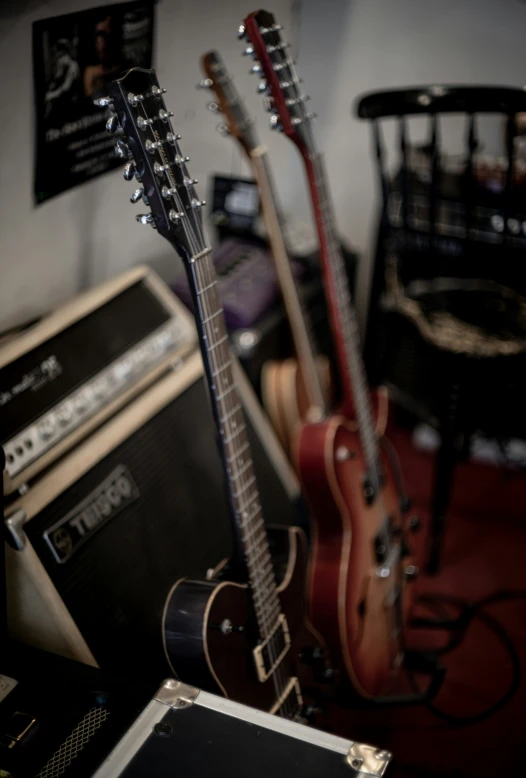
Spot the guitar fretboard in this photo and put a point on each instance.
(241, 480)
(344, 317)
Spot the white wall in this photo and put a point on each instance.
(46, 249)
(345, 47)
(348, 47)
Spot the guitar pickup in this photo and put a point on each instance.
(292, 696)
(269, 653)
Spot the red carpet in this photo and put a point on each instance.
(483, 554)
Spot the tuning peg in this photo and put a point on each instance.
(134, 99)
(129, 171)
(275, 123)
(102, 102)
(145, 218)
(171, 138)
(165, 115)
(268, 103)
(256, 68)
(179, 159)
(168, 191)
(152, 146)
(159, 169)
(214, 107)
(138, 195)
(198, 203)
(300, 120)
(241, 32)
(175, 216)
(205, 83)
(223, 129)
(143, 123)
(190, 181)
(112, 125)
(157, 91)
(123, 150)
(248, 51)
(262, 86)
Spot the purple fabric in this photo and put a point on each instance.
(247, 280)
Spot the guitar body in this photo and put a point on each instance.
(202, 653)
(349, 604)
(284, 395)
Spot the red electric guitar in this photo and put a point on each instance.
(358, 594)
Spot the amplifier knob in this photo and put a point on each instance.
(122, 370)
(64, 413)
(81, 401)
(46, 427)
(163, 340)
(100, 387)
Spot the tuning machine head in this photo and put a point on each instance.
(214, 107)
(263, 87)
(139, 194)
(103, 102)
(223, 129)
(130, 170)
(256, 68)
(241, 32)
(123, 150)
(113, 125)
(145, 218)
(205, 83)
(275, 123)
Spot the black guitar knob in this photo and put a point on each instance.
(405, 504)
(411, 572)
(415, 523)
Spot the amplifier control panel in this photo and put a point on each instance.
(70, 372)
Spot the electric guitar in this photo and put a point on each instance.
(294, 389)
(248, 638)
(358, 596)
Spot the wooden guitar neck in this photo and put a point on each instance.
(298, 319)
(356, 402)
(235, 449)
(241, 126)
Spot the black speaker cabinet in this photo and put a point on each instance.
(97, 543)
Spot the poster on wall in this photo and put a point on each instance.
(74, 57)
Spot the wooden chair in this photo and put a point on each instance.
(447, 321)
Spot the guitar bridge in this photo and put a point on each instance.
(270, 652)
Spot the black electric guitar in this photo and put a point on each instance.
(246, 638)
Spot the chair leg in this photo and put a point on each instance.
(446, 460)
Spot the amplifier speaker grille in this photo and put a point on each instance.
(73, 745)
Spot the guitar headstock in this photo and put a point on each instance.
(280, 83)
(150, 148)
(238, 121)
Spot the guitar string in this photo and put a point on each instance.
(347, 316)
(342, 291)
(227, 81)
(271, 617)
(266, 612)
(273, 35)
(195, 247)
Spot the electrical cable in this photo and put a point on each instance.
(471, 611)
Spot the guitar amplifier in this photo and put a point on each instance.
(99, 540)
(64, 376)
(59, 718)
